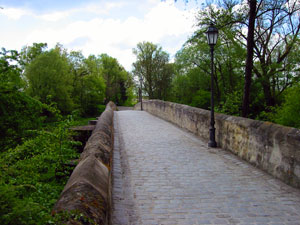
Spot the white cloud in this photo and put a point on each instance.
(98, 9)
(15, 13)
(116, 37)
(55, 16)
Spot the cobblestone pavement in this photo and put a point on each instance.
(164, 175)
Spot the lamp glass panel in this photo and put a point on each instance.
(212, 40)
(216, 37)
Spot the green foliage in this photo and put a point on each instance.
(37, 153)
(34, 174)
(289, 113)
(82, 121)
(18, 111)
(192, 82)
(180, 88)
(14, 209)
(72, 82)
(88, 83)
(101, 109)
(10, 73)
(48, 75)
(98, 80)
(232, 104)
(29, 53)
(129, 97)
(276, 48)
(201, 99)
(117, 80)
(153, 66)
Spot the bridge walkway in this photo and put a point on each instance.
(164, 175)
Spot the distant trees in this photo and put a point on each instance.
(270, 34)
(275, 27)
(88, 85)
(277, 31)
(117, 80)
(29, 53)
(18, 111)
(72, 81)
(152, 64)
(256, 60)
(38, 89)
(37, 84)
(49, 79)
(256, 68)
(193, 72)
(10, 73)
(191, 83)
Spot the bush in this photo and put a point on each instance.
(201, 99)
(34, 174)
(19, 113)
(101, 109)
(232, 104)
(289, 113)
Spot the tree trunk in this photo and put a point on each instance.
(249, 60)
(269, 98)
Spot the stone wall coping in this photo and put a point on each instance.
(88, 190)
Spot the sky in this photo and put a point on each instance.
(98, 26)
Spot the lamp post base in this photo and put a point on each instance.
(212, 143)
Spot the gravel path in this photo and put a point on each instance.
(164, 175)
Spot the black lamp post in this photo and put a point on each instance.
(212, 36)
(141, 92)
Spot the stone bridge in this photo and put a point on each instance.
(162, 171)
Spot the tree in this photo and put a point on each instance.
(164, 81)
(276, 31)
(29, 53)
(192, 75)
(193, 70)
(115, 77)
(49, 78)
(92, 86)
(18, 111)
(249, 59)
(10, 73)
(152, 65)
(88, 84)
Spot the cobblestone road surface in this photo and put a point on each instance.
(164, 175)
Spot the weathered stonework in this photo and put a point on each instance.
(271, 147)
(88, 190)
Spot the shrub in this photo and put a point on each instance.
(101, 109)
(201, 99)
(232, 104)
(34, 174)
(19, 113)
(289, 113)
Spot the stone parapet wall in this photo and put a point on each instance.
(271, 147)
(88, 190)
